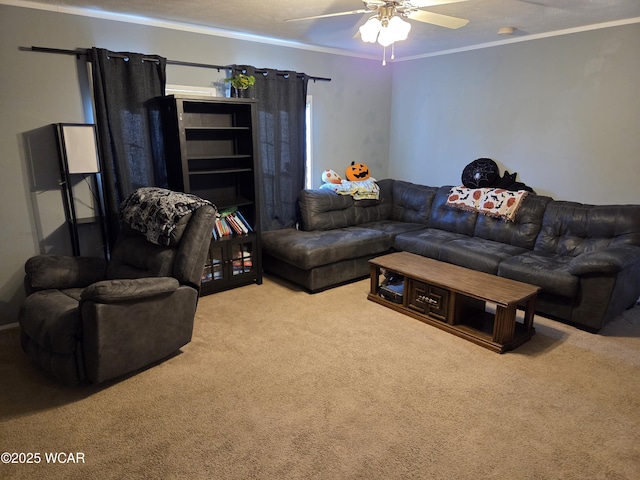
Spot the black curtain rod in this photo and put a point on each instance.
(83, 52)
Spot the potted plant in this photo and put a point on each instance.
(241, 82)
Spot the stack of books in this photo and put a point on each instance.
(242, 261)
(212, 271)
(230, 222)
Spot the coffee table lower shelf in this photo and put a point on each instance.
(454, 299)
(476, 330)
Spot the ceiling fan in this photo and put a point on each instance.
(388, 26)
(412, 9)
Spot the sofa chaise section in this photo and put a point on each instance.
(320, 259)
(337, 235)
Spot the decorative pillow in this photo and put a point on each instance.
(357, 172)
(480, 173)
(329, 176)
(495, 202)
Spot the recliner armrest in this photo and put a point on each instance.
(127, 290)
(608, 260)
(62, 271)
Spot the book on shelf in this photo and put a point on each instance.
(244, 221)
(234, 224)
(230, 221)
(212, 270)
(207, 274)
(242, 261)
(221, 227)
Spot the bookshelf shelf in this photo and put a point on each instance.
(211, 150)
(217, 129)
(218, 157)
(220, 171)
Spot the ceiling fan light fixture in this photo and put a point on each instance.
(370, 30)
(387, 26)
(398, 28)
(386, 32)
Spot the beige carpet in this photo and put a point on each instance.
(279, 384)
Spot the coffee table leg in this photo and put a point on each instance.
(375, 278)
(504, 325)
(529, 311)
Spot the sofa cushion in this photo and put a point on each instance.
(546, 270)
(523, 231)
(411, 202)
(325, 210)
(570, 228)
(307, 250)
(426, 242)
(392, 227)
(370, 210)
(445, 217)
(372, 213)
(135, 257)
(478, 253)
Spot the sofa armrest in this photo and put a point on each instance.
(61, 271)
(127, 290)
(608, 260)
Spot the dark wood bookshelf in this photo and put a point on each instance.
(211, 150)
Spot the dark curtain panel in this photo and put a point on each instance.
(124, 85)
(281, 122)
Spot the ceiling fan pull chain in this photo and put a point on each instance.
(393, 50)
(384, 56)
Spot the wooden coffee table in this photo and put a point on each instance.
(454, 299)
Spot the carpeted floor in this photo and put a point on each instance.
(280, 384)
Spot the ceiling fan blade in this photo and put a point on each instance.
(352, 12)
(438, 19)
(357, 26)
(432, 3)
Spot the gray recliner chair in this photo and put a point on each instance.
(89, 319)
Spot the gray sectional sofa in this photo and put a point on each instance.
(585, 258)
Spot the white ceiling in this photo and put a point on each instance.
(265, 18)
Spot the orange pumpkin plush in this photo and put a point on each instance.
(356, 172)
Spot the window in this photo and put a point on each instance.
(308, 167)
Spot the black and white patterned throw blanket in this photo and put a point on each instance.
(155, 211)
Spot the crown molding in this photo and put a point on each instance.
(183, 27)
(218, 32)
(527, 38)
